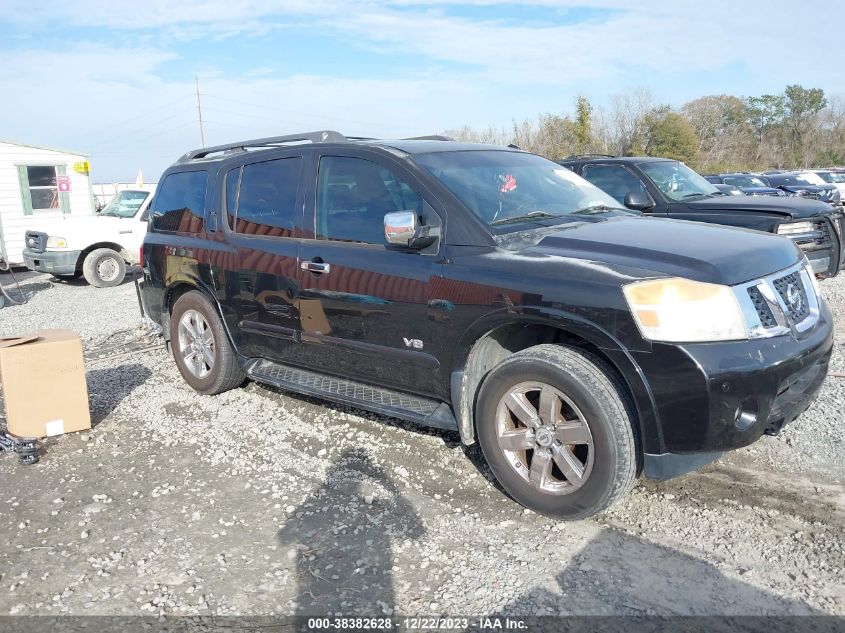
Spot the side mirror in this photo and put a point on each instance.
(402, 229)
(639, 200)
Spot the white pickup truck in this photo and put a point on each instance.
(98, 247)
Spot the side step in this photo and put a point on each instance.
(396, 404)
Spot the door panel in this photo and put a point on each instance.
(259, 288)
(366, 317)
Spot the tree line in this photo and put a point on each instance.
(800, 127)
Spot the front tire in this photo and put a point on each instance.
(104, 268)
(555, 428)
(202, 351)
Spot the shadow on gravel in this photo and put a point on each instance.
(342, 536)
(107, 387)
(620, 574)
(22, 294)
(68, 280)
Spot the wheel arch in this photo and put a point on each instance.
(182, 286)
(114, 246)
(497, 336)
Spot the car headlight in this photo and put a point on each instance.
(795, 228)
(677, 310)
(56, 242)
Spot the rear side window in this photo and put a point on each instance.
(180, 203)
(266, 198)
(233, 179)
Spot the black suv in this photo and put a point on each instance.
(667, 188)
(489, 291)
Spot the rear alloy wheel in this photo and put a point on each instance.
(202, 350)
(556, 429)
(196, 343)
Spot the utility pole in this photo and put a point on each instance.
(199, 111)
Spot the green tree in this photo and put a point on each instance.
(582, 128)
(670, 135)
(801, 105)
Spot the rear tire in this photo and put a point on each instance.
(200, 347)
(557, 431)
(104, 268)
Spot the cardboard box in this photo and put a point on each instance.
(43, 380)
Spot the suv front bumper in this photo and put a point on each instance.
(715, 397)
(55, 262)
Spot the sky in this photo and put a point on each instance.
(116, 80)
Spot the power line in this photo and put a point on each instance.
(199, 111)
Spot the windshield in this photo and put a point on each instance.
(791, 180)
(677, 181)
(125, 204)
(830, 177)
(810, 177)
(744, 181)
(505, 188)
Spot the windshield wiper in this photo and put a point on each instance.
(594, 209)
(693, 195)
(534, 215)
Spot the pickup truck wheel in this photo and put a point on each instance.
(104, 268)
(555, 429)
(201, 348)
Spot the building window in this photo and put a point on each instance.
(43, 188)
(40, 188)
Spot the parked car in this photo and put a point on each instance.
(488, 291)
(833, 178)
(667, 188)
(749, 184)
(98, 247)
(803, 184)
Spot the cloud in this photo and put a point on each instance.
(128, 98)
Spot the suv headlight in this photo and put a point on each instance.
(56, 242)
(795, 228)
(677, 310)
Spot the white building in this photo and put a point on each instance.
(36, 183)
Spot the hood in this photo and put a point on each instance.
(703, 252)
(762, 191)
(786, 207)
(75, 223)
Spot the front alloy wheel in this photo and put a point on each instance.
(545, 438)
(557, 428)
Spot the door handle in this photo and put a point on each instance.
(125, 232)
(316, 267)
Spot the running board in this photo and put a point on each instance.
(397, 404)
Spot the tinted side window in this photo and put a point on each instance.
(353, 196)
(267, 198)
(180, 204)
(613, 180)
(232, 182)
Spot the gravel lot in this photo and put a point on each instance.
(262, 502)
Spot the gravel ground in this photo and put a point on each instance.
(260, 502)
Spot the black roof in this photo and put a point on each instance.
(417, 145)
(572, 160)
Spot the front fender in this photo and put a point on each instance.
(465, 386)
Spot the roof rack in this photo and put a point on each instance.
(430, 137)
(321, 136)
(574, 156)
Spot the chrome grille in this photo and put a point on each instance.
(792, 292)
(35, 241)
(767, 319)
